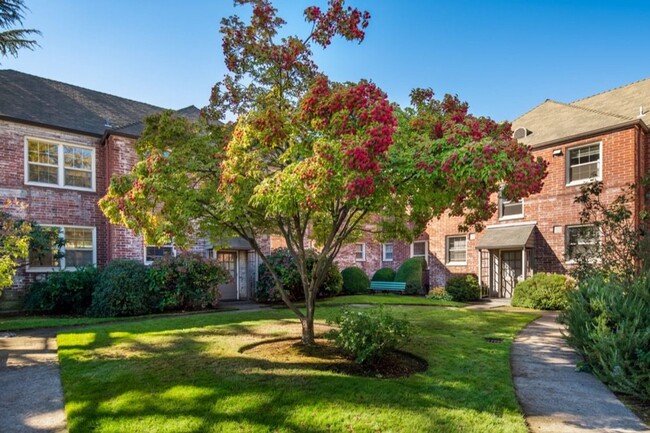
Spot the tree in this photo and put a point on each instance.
(311, 159)
(12, 40)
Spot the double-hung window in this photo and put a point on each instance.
(419, 249)
(388, 252)
(153, 252)
(510, 209)
(61, 165)
(457, 250)
(581, 242)
(79, 249)
(584, 163)
(360, 252)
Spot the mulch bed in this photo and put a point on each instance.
(324, 355)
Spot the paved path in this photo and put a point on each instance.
(31, 398)
(554, 397)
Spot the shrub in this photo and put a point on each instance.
(543, 291)
(285, 267)
(186, 282)
(368, 335)
(64, 292)
(608, 322)
(123, 290)
(438, 293)
(463, 288)
(355, 280)
(411, 273)
(384, 274)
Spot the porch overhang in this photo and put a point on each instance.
(510, 237)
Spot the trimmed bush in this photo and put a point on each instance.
(355, 281)
(439, 293)
(285, 267)
(123, 290)
(543, 292)
(463, 288)
(384, 274)
(411, 273)
(367, 335)
(608, 322)
(63, 292)
(186, 282)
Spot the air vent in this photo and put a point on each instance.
(521, 133)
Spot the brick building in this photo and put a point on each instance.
(59, 146)
(604, 137)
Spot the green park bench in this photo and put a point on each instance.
(387, 286)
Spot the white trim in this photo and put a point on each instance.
(363, 251)
(62, 266)
(523, 223)
(383, 252)
(510, 217)
(60, 164)
(426, 249)
(447, 261)
(567, 164)
(145, 246)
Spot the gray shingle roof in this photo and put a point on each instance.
(40, 100)
(554, 120)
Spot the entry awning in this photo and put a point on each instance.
(501, 238)
(235, 243)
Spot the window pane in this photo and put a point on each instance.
(43, 153)
(43, 174)
(388, 251)
(581, 172)
(582, 242)
(43, 259)
(153, 252)
(508, 208)
(360, 251)
(584, 162)
(75, 157)
(45, 255)
(78, 178)
(457, 251)
(77, 258)
(78, 238)
(419, 248)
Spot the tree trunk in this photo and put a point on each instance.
(307, 323)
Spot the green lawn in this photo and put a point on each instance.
(387, 299)
(185, 374)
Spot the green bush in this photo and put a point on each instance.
(123, 290)
(285, 267)
(411, 273)
(64, 292)
(367, 335)
(355, 281)
(186, 282)
(543, 291)
(608, 322)
(463, 288)
(438, 293)
(384, 274)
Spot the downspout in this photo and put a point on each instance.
(107, 166)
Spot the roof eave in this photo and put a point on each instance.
(587, 134)
(48, 126)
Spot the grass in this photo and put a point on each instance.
(387, 299)
(185, 374)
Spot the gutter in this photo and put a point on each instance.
(587, 134)
(48, 126)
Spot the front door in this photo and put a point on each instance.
(228, 260)
(511, 272)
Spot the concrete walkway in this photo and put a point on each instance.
(31, 398)
(554, 397)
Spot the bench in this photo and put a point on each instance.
(387, 286)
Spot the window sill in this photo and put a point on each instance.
(56, 186)
(583, 182)
(456, 264)
(387, 260)
(41, 270)
(512, 217)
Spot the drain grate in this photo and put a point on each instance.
(493, 340)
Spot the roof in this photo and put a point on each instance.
(40, 100)
(507, 237)
(553, 120)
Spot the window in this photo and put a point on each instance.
(152, 252)
(388, 252)
(510, 209)
(457, 250)
(581, 242)
(419, 249)
(360, 252)
(79, 249)
(583, 164)
(60, 165)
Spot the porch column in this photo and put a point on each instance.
(523, 262)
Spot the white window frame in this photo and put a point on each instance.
(383, 252)
(567, 164)
(502, 202)
(363, 252)
(567, 229)
(61, 266)
(60, 165)
(447, 255)
(426, 249)
(144, 252)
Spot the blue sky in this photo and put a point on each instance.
(503, 57)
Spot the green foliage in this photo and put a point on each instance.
(285, 268)
(368, 335)
(410, 272)
(14, 247)
(608, 320)
(186, 282)
(13, 39)
(123, 290)
(384, 274)
(463, 288)
(543, 291)
(355, 281)
(438, 293)
(63, 292)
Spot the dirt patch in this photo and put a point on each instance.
(324, 355)
(640, 407)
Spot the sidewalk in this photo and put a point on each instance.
(554, 397)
